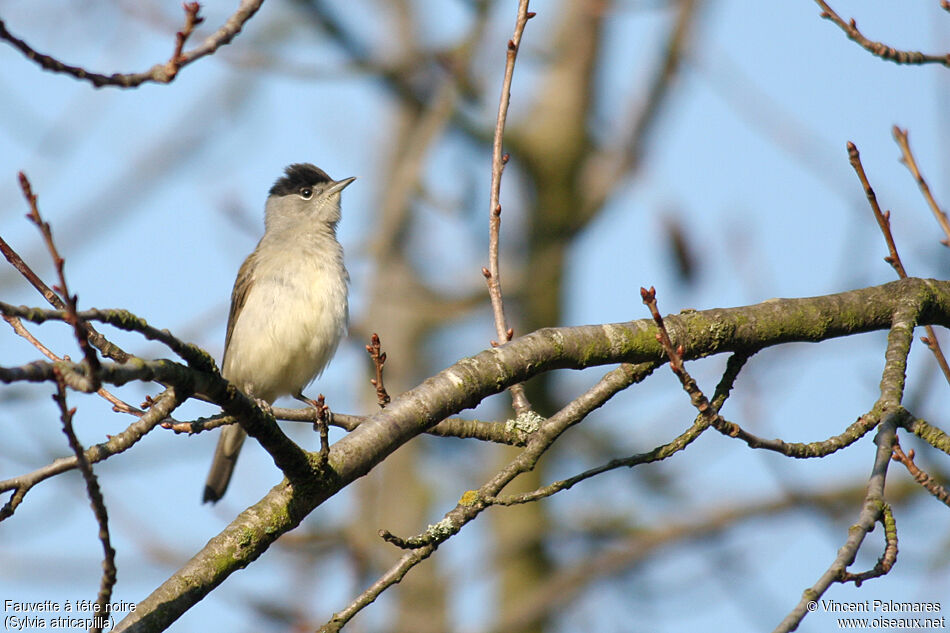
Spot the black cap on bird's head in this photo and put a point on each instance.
(297, 176)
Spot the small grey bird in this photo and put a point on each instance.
(289, 304)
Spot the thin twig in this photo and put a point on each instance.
(696, 396)
(473, 502)
(900, 136)
(95, 499)
(872, 511)
(392, 576)
(802, 450)
(923, 478)
(118, 405)
(80, 327)
(374, 349)
(887, 559)
(884, 221)
(192, 19)
(498, 432)
(107, 348)
(322, 426)
(161, 408)
(852, 434)
(700, 424)
(124, 320)
(879, 49)
(883, 218)
(492, 273)
(322, 418)
(161, 73)
(934, 346)
(86, 335)
(17, 262)
(792, 449)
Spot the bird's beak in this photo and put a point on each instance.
(340, 185)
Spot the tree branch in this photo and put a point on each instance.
(466, 383)
(930, 484)
(884, 222)
(161, 408)
(879, 49)
(162, 73)
(493, 272)
(474, 502)
(874, 509)
(95, 499)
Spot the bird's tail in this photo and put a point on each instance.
(225, 457)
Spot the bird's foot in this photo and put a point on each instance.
(265, 406)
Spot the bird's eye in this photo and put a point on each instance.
(306, 193)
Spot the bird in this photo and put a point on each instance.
(289, 306)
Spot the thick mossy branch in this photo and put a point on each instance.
(930, 434)
(469, 381)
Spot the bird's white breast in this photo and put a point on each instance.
(293, 318)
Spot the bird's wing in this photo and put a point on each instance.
(242, 286)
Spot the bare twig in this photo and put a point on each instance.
(374, 349)
(883, 218)
(118, 405)
(878, 48)
(934, 346)
(887, 559)
(17, 262)
(321, 422)
(802, 450)
(874, 508)
(492, 273)
(392, 576)
(322, 425)
(872, 512)
(95, 499)
(900, 136)
(124, 320)
(161, 408)
(924, 479)
(107, 348)
(192, 19)
(161, 73)
(696, 396)
(701, 423)
(498, 432)
(709, 412)
(884, 221)
(473, 502)
(80, 328)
